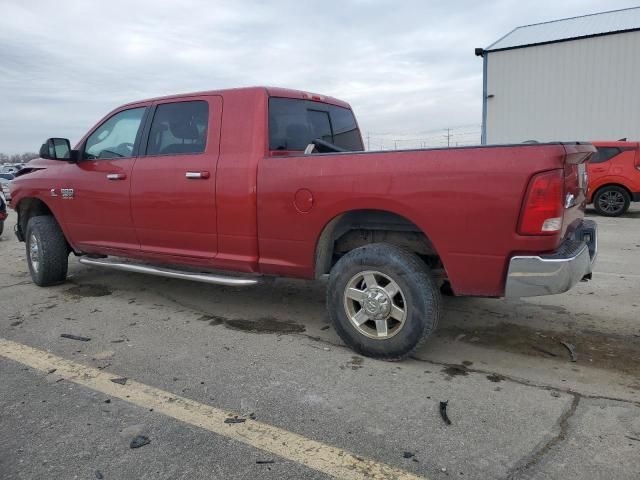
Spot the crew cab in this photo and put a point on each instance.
(229, 186)
(614, 177)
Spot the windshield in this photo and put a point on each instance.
(294, 124)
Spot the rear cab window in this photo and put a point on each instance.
(295, 123)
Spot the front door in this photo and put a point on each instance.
(173, 188)
(96, 200)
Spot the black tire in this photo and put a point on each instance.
(418, 297)
(611, 201)
(51, 251)
(1, 227)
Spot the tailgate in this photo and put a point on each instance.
(576, 183)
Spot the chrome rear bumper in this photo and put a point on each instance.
(549, 274)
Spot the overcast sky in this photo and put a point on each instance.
(406, 67)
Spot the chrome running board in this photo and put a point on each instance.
(170, 273)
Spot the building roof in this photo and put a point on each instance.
(596, 24)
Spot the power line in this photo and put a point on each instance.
(463, 135)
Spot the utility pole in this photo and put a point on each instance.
(448, 135)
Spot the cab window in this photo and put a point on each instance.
(294, 124)
(179, 128)
(116, 137)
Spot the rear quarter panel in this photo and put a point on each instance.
(466, 200)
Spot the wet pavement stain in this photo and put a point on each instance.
(355, 363)
(257, 325)
(494, 377)
(88, 290)
(595, 349)
(455, 371)
(212, 319)
(264, 325)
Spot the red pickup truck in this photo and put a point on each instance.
(228, 186)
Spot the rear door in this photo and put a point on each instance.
(95, 194)
(173, 189)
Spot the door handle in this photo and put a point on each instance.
(193, 175)
(116, 176)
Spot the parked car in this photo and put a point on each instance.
(10, 169)
(3, 212)
(5, 178)
(614, 177)
(278, 183)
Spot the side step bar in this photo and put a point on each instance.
(170, 273)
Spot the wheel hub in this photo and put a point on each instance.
(377, 303)
(611, 201)
(34, 253)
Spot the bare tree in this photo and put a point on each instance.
(18, 157)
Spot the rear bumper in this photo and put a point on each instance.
(557, 272)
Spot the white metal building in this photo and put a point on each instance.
(571, 79)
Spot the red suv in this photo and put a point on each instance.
(614, 177)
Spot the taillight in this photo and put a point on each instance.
(543, 210)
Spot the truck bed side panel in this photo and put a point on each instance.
(467, 201)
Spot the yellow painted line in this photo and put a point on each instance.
(319, 456)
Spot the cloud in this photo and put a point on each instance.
(406, 67)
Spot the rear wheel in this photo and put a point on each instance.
(47, 251)
(611, 201)
(382, 301)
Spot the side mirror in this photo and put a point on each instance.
(58, 149)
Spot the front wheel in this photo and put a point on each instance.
(612, 201)
(382, 301)
(47, 251)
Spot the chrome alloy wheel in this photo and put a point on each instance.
(611, 202)
(375, 305)
(34, 253)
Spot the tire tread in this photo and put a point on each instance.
(396, 256)
(54, 256)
